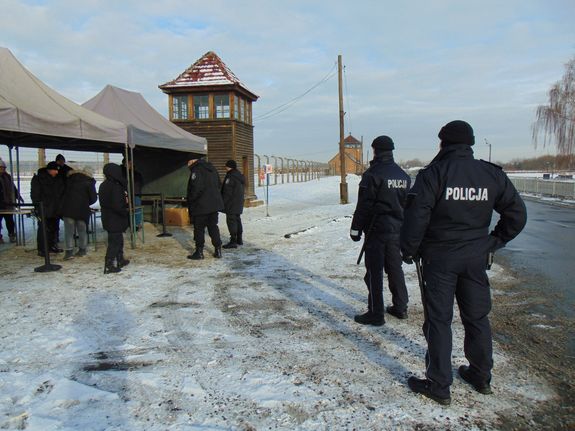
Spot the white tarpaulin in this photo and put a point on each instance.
(34, 115)
(146, 126)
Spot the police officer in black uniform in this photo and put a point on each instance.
(204, 202)
(447, 220)
(233, 196)
(379, 214)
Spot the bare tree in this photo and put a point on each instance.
(556, 121)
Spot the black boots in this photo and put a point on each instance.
(69, 255)
(468, 376)
(239, 240)
(121, 261)
(110, 268)
(370, 319)
(233, 242)
(198, 254)
(391, 309)
(81, 252)
(423, 387)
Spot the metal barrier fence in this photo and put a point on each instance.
(287, 170)
(553, 188)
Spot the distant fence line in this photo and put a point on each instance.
(284, 168)
(554, 188)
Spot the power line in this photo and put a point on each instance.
(348, 99)
(279, 109)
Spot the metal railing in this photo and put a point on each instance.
(554, 188)
(288, 169)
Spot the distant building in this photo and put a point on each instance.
(353, 150)
(208, 100)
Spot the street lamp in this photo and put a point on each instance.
(487, 143)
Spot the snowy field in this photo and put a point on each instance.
(261, 339)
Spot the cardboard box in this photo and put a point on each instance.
(177, 217)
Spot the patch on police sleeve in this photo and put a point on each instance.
(193, 176)
(227, 181)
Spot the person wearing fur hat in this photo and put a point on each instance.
(233, 196)
(47, 187)
(379, 214)
(113, 193)
(79, 194)
(446, 225)
(8, 196)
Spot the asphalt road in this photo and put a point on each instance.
(543, 255)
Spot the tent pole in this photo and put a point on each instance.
(21, 227)
(131, 173)
(130, 200)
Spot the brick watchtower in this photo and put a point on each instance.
(208, 100)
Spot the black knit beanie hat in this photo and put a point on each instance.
(232, 164)
(382, 143)
(457, 132)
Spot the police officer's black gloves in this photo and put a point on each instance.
(355, 234)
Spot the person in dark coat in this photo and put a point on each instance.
(64, 168)
(47, 187)
(115, 216)
(204, 202)
(79, 194)
(63, 174)
(447, 221)
(8, 196)
(233, 196)
(379, 215)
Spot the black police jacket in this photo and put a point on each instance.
(449, 208)
(233, 192)
(204, 195)
(79, 194)
(114, 200)
(48, 190)
(382, 194)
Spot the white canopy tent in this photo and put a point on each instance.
(159, 148)
(34, 115)
(146, 126)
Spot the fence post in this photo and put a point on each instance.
(259, 169)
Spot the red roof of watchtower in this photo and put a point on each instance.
(209, 72)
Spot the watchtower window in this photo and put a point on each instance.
(222, 105)
(236, 107)
(180, 107)
(201, 106)
(242, 111)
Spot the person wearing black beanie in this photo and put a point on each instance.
(446, 233)
(233, 196)
(379, 214)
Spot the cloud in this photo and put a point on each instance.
(410, 67)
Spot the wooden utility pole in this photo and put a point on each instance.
(343, 196)
(41, 158)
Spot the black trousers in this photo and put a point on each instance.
(383, 254)
(466, 280)
(51, 223)
(9, 218)
(234, 222)
(115, 245)
(211, 222)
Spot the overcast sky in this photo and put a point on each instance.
(410, 66)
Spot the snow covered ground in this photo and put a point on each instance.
(261, 339)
